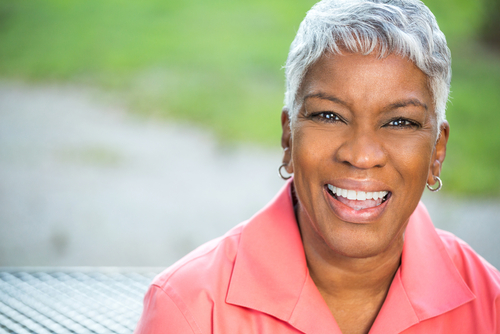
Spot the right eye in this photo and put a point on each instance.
(326, 116)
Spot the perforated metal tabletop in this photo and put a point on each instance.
(72, 300)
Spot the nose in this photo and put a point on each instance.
(362, 149)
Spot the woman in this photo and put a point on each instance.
(345, 247)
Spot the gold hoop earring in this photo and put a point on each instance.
(438, 187)
(281, 174)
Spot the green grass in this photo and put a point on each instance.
(473, 153)
(217, 63)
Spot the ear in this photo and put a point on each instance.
(439, 153)
(286, 140)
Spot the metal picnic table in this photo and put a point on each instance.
(72, 300)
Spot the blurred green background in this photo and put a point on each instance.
(218, 64)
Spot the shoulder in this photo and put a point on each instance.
(480, 276)
(186, 293)
(471, 265)
(208, 267)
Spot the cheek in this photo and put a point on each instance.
(305, 147)
(411, 157)
(310, 159)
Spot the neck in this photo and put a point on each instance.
(353, 277)
(339, 274)
(354, 289)
(343, 277)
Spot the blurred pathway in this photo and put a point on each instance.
(82, 182)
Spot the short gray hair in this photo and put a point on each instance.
(403, 27)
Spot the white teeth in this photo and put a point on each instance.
(361, 196)
(357, 195)
(351, 194)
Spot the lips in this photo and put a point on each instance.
(358, 200)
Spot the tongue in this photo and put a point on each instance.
(360, 205)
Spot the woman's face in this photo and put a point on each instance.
(361, 150)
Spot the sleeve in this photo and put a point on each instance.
(162, 315)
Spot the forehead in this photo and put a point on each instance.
(362, 79)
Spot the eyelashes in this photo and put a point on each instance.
(326, 116)
(395, 123)
(403, 123)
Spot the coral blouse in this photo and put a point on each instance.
(255, 279)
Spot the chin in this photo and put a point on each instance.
(356, 247)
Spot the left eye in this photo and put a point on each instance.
(329, 115)
(402, 123)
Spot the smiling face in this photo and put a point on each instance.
(361, 149)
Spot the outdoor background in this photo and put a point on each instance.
(133, 131)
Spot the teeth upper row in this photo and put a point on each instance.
(357, 195)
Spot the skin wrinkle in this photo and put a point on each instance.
(353, 262)
(402, 104)
(324, 96)
(398, 104)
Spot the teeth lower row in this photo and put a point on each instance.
(357, 195)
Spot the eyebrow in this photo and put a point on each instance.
(324, 96)
(405, 103)
(396, 105)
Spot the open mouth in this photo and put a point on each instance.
(358, 200)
